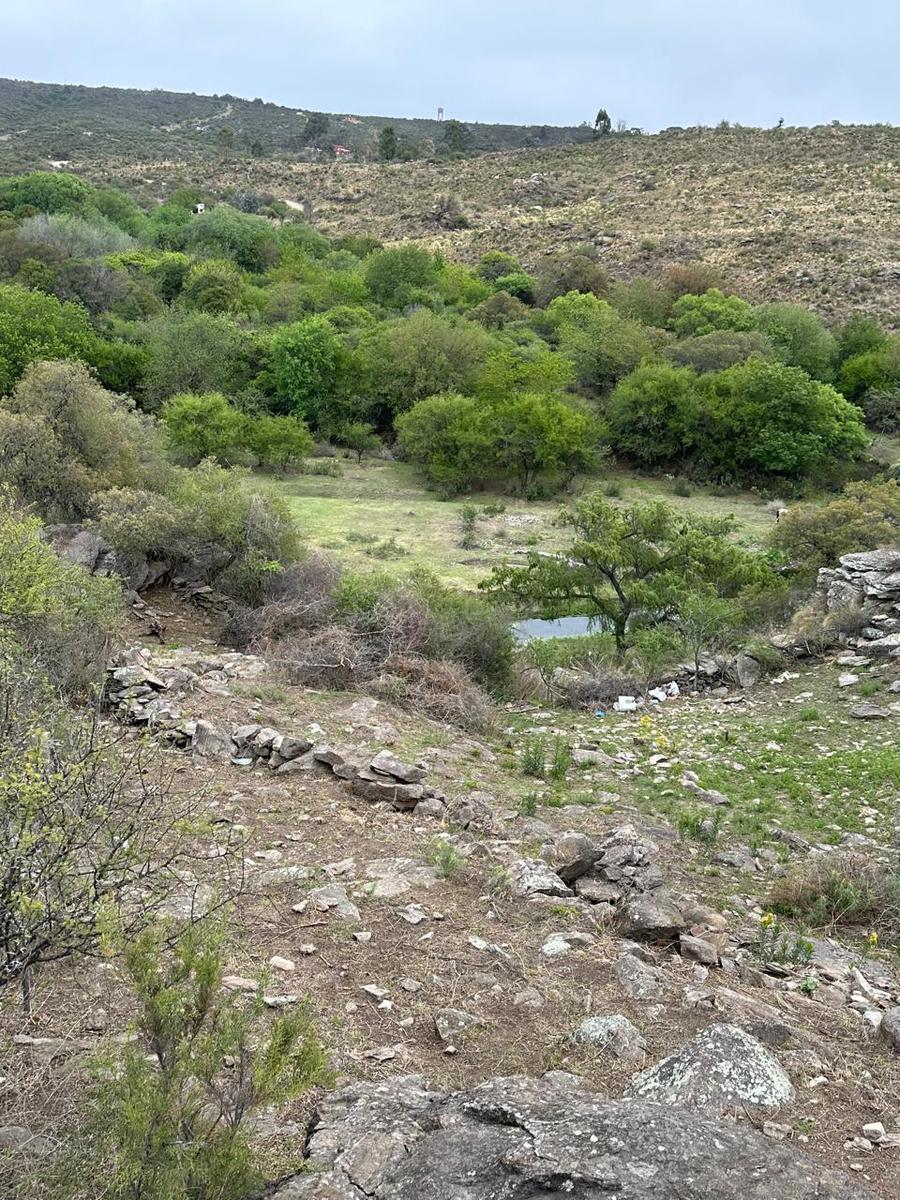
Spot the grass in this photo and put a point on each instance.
(380, 503)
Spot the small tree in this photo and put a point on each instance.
(602, 124)
(170, 1110)
(206, 426)
(360, 438)
(626, 564)
(387, 144)
(706, 622)
(456, 137)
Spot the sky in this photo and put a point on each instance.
(650, 63)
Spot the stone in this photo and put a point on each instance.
(529, 877)
(474, 811)
(651, 917)
(847, 679)
(889, 1029)
(210, 742)
(721, 1069)
(453, 1023)
(22, 1141)
(597, 891)
(588, 756)
(370, 786)
(570, 854)
(615, 1034)
(703, 950)
(291, 748)
(282, 964)
(384, 763)
(333, 898)
(870, 712)
(745, 671)
(763, 1020)
(397, 876)
(528, 997)
(517, 1138)
(558, 944)
(640, 980)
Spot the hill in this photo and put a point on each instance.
(41, 121)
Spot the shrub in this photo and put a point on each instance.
(576, 271)
(496, 263)
(865, 517)
(36, 326)
(222, 232)
(170, 1110)
(691, 278)
(882, 409)
(194, 352)
(718, 350)
(602, 346)
(400, 276)
(533, 759)
(309, 363)
(205, 426)
(693, 316)
(800, 339)
(213, 287)
(498, 311)
(653, 414)
(841, 889)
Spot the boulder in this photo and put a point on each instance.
(453, 1023)
(209, 742)
(638, 979)
(529, 877)
(870, 712)
(384, 763)
(570, 854)
(889, 1029)
(651, 917)
(721, 1069)
(516, 1138)
(745, 671)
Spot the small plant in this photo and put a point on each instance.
(389, 548)
(809, 714)
(698, 825)
(560, 761)
(773, 945)
(870, 945)
(809, 986)
(870, 687)
(496, 508)
(444, 857)
(534, 757)
(499, 881)
(356, 537)
(528, 804)
(468, 527)
(682, 488)
(613, 491)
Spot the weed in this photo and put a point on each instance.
(809, 986)
(698, 825)
(870, 687)
(499, 881)
(533, 759)
(841, 889)
(681, 488)
(444, 857)
(468, 527)
(560, 762)
(773, 945)
(809, 714)
(613, 491)
(528, 804)
(389, 548)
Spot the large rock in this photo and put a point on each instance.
(570, 854)
(721, 1069)
(614, 1034)
(651, 917)
(520, 1139)
(529, 877)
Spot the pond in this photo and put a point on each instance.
(533, 627)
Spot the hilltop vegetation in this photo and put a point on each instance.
(41, 121)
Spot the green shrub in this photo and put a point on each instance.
(844, 889)
(36, 326)
(533, 758)
(693, 316)
(865, 517)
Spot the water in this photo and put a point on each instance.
(534, 627)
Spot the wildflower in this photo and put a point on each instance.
(872, 940)
(767, 919)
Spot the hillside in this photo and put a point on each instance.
(40, 121)
(795, 214)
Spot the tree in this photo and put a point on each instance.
(628, 567)
(800, 339)
(707, 622)
(450, 437)
(865, 517)
(693, 316)
(573, 271)
(539, 435)
(602, 124)
(279, 441)
(205, 426)
(602, 346)
(456, 137)
(387, 144)
(719, 350)
(194, 352)
(33, 326)
(398, 276)
(653, 414)
(316, 129)
(213, 286)
(764, 418)
(359, 437)
(308, 362)
(225, 138)
(249, 241)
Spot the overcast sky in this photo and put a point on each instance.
(651, 63)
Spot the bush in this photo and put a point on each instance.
(654, 414)
(36, 326)
(170, 1110)
(602, 346)
(213, 287)
(882, 409)
(309, 366)
(718, 350)
(576, 271)
(841, 889)
(865, 517)
(64, 439)
(693, 316)
(223, 232)
(205, 426)
(194, 352)
(691, 278)
(400, 276)
(800, 339)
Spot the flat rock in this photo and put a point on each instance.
(530, 876)
(570, 854)
(558, 944)
(385, 763)
(453, 1023)
(520, 1138)
(651, 917)
(721, 1069)
(639, 980)
(870, 712)
(333, 898)
(210, 742)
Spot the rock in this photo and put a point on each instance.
(870, 712)
(651, 917)
(721, 1069)
(597, 891)
(396, 876)
(874, 1131)
(529, 877)
(520, 1138)
(763, 1020)
(20, 1140)
(847, 679)
(558, 944)
(853, 660)
(889, 1030)
(474, 811)
(282, 964)
(210, 742)
(585, 756)
(614, 1033)
(640, 980)
(334, 899)
(529, 997)
(453, 1023)
(370, 786)
(384, 763)
(745, 671)
(704, 950)
(290, 748)
(570, 854)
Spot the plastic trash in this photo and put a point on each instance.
(658, 695)
(626, 704)
(599, 712)
(672, 689)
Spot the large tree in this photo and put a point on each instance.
(629, 567)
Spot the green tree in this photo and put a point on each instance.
(800, 339)
(693, 316)
(249, 241)
(359, 437)
(387, 144)
(859, 335)
(309, 362)
(764, 418)
(571, 271)
(279, 441)
(451, 439)
(628, 567)
(316, 129)
(456, 137)
(602, 346)
(33, 326)
(401, 275)
(194, 352)
(653, 414)
(495, 263)
(538, 435)
(205, 426)
(719, 350)
(602, 124)
(865, 517)
(213, 286)
(707, 622)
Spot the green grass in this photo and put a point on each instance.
(378, 500)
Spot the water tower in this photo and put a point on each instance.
(440, 112)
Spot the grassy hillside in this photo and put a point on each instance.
(40, 121)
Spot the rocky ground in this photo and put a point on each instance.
(455, 919)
